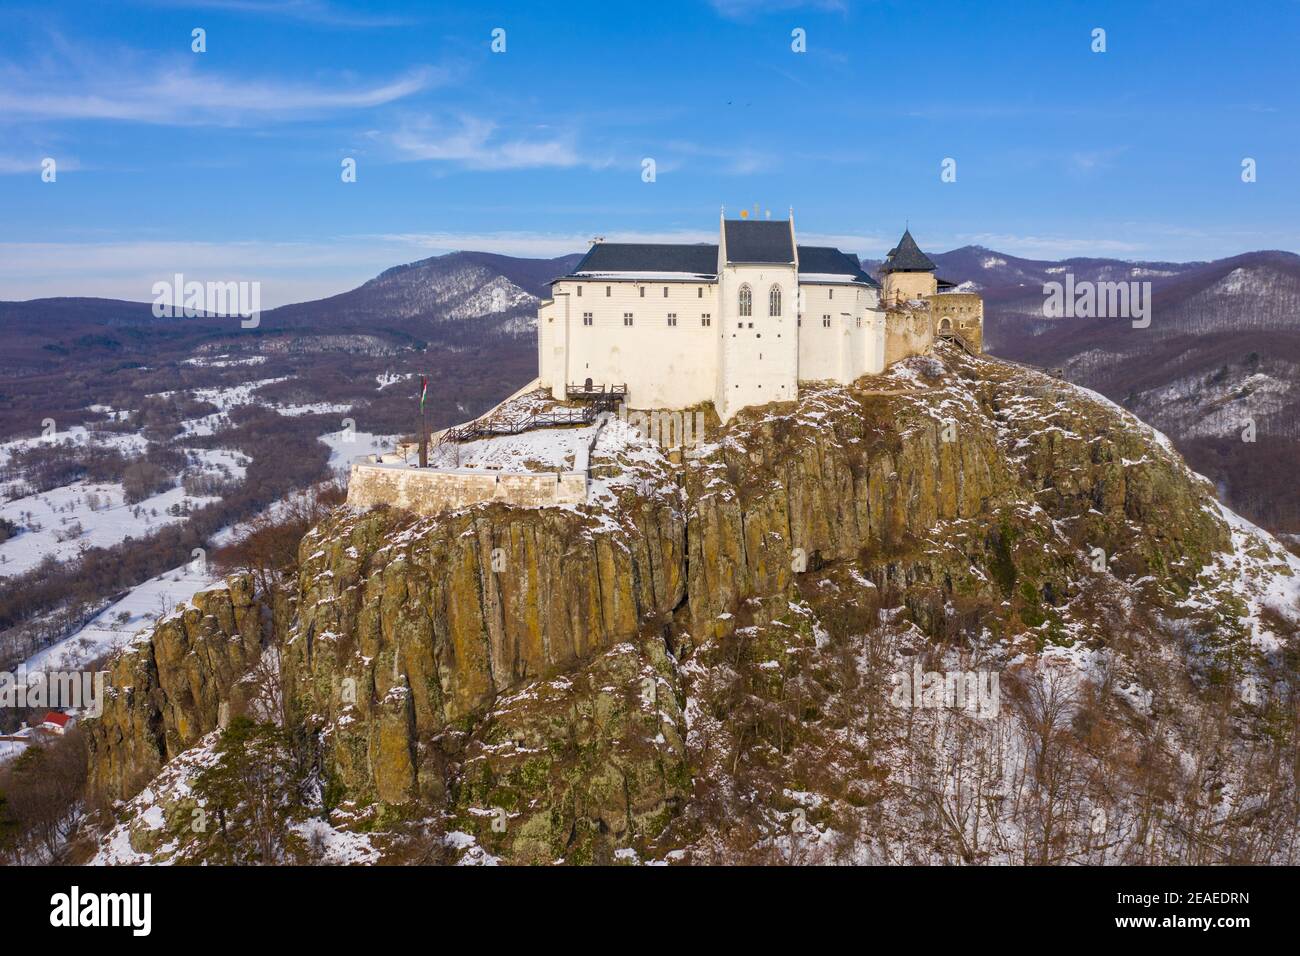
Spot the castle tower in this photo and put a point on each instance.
(908, 272)
(758, 295)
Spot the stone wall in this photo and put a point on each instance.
(428, 491)
(907, 332)
(964, 311)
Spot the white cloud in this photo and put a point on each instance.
(1053, 247)
(132, 89)
(742, 9)
(30, 165)
(478, 143)
(308, 11)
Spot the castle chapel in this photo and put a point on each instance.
(742, 322)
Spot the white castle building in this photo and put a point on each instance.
(742, 322)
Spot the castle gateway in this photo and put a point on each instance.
(742, 322)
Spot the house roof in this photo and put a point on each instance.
(907, 257)
(758, 240)
(56, 718)
(828, 261)
(700, 259)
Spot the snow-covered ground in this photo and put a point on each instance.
(78, 435)
(544, 449)
(65, 521)
(119, 622)
(344, 448)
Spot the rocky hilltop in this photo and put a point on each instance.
(756, 651)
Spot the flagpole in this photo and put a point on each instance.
(424, 430)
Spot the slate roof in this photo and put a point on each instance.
(827, 260)
(747, 241)
(758, 240)
(694, 258)
(907, 257)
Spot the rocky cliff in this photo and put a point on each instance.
(706, 661)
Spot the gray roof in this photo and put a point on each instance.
(827, 260)
(697, 258)
(907, 257)
(757, 240)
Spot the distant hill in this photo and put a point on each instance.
(1222, 350)
(1222, 353)
(461, 299)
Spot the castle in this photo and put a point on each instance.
(742, 322)
(673, 326)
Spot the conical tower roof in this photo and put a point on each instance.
(907, 257)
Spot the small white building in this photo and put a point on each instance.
(738, 323)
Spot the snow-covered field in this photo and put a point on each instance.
(119, 622)
(65, 521)
(78, 435)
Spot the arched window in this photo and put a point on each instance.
(774, 301)
(746, 301)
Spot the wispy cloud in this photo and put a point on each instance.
(1052, 247)
(31, 165)
(477, 143)
(132, 90)
(744, 9)
(319, 12)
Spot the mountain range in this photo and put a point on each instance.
(1216, 368)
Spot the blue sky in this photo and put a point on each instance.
(226, 164)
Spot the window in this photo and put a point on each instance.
(579, 291)
(858, 321)
(699, 293)
(672, 318)
(774, 301)
(642, 291)
(627, 318)
(586, 318)
(746, 301)
(830, 293)
(706, 319)
(665, 292)
(607, 290)
(826, 321)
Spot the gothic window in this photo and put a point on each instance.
(774, 301)
(746, 301)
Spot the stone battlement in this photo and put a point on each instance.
(431, 491)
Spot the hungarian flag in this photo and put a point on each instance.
(424, 390)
